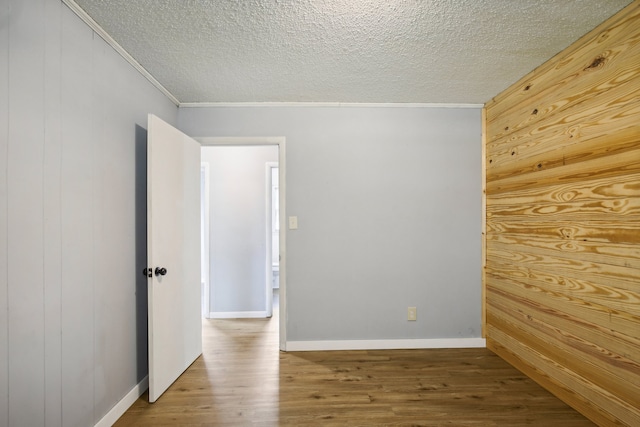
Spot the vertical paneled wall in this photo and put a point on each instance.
(563, 222)
(72, 192)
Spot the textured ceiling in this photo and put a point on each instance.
(364, 51)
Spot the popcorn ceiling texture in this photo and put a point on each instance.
(367, 51)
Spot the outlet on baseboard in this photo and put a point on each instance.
(412, 313)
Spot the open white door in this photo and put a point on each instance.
(173, 239)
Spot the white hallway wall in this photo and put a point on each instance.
(73, 115)
(237, 231)
(389, 207)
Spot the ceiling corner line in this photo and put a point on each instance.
(80, 12)
(331, 104)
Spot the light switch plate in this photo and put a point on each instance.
(293, 223)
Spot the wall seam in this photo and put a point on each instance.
(44, 215)
(59, 196)
(94, 111)
(6, 171)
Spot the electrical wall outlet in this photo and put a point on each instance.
(412, 313)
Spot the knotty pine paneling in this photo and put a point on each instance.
(589, 55)
(562, 275)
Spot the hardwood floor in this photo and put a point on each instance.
(243, 380)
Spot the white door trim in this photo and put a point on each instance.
(206, 266)
(280, 141)
(269, 235)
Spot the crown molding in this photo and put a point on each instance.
(327, 104)
(71, 4)
(135, 64)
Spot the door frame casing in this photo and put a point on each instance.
(204, 245)
(269, 234)
(280, 142)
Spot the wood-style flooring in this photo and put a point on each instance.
(243, 380)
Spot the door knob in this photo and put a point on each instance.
(147, 272)
(161, 271)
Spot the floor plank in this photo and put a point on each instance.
(243, 380)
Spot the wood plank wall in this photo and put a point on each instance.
(563, 223)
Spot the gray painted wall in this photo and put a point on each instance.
(237, 231)
(389, 208)
(73, 300)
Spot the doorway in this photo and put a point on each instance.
(232, 236)
(272, 227)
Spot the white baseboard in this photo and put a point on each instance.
(237, 314)
(385, 344)
(125, 403)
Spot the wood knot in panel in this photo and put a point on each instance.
(568, 247)
(566, 195)
(596, 63)
(567, 233)
(573, 132)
